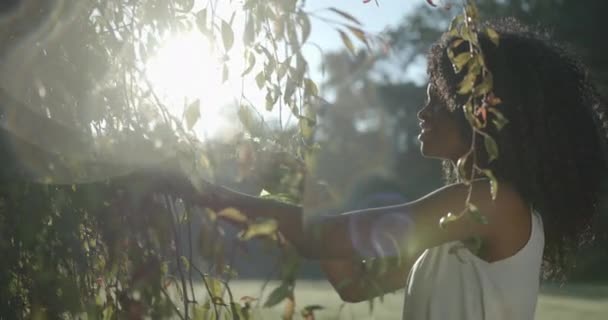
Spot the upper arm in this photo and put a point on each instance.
(410, 228)
(413, 227)
(499, 215)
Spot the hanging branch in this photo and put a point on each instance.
(477, 86)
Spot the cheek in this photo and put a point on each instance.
(445, 141)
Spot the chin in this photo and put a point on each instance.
(428, 151)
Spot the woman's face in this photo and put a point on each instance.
(440, 135)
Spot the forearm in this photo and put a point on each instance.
(288, 217)
(342, 236)
(326, 238)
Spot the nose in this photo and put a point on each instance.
(424, 113)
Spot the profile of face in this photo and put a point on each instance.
(440, 136)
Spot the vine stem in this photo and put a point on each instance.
(169, 202)
(209, 292)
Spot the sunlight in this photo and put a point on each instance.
(186, 69)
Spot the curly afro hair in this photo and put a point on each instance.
(553, 150)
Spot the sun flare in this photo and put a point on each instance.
(184, 69)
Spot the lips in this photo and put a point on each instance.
(425, 127)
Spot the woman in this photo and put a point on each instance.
(550, 169)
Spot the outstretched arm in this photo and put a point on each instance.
(409, 228)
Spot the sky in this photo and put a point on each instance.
(375, 18)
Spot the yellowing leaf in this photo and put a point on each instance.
(233, 214)
(185, 262)
(345, 15)
(493, 35)
(215, 287)
(265, 228)
(360, 34)
(460, 61)
(347, 42)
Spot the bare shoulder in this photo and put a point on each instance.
(507, 215)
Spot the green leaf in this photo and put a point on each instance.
(346, 16)
(265, 228)
(491, 147)
(471, 10)
(301, 66)
(450, 217)
(271, 99)
(282, 70)
(277, 295)
(456, 43)
(493, 35)
(270, 66)
(201, 21)
(225, 73)
(215, 287)
(185, 262)
(292, 37)
(250, 63)
(469, 114)
(499, 119)
(249, 32)
(485, 86)
(290, 88)
(192, 113)
(260, 79)
(456, 21)
(310, 88)
(347, 42)
(493, 182)
(227, 35)
(476, 215)
(304, 21)
(466, 85)
(460, 61)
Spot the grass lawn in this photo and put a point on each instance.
(570, 302)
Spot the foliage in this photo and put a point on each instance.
(95, 220)
(479, 107)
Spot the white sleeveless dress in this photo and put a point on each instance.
(461, 286)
